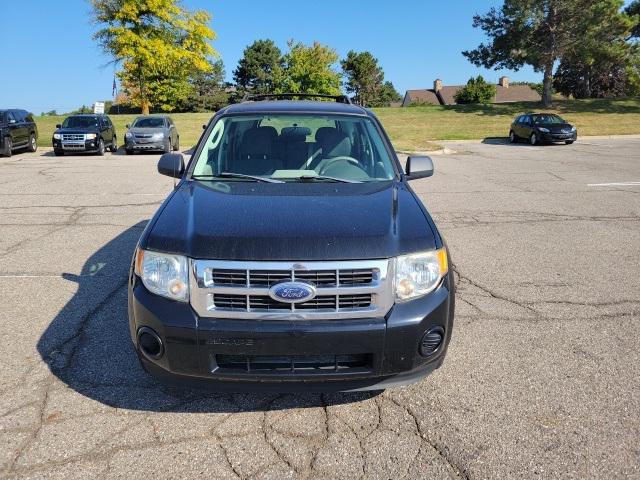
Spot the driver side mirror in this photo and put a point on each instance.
(419, 167)
(171, 164)
(127, 126)
(58, 126)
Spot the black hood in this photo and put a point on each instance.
(290, 221)
(555, 127)
(77, 130)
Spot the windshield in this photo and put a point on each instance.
(295, 148)
(149, 122)
(80, 122)
(548, 119)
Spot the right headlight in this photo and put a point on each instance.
(419, 273)
(57, 136)
(128, 135)
(163, 274)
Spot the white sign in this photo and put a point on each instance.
(98, 107)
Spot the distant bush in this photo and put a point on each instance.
(477, 90)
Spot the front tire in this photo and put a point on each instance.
(167, 146)
(33, 143)
(533, 139)
(176, 147)
(114, 145)
(58, 153)
(512, 137)
(569, 142)
(100, 151)
(8, 147)
(129, 151)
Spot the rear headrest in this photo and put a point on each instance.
(258, 141)
(295, 134)
(335, 144)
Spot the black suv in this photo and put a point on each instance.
(17, 130)
(292, 256)
(85, 133)
(542, 128)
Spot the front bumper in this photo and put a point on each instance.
(195, 349)
(76, 145)
(132, 144)
(558, 137)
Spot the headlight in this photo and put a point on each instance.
(163, 274)
(419, 274)
(158, 136)
(573, 129)
(89, 136)
(543, 130)
(128, 135)
(57, 136)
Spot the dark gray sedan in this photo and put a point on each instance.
(157, 132)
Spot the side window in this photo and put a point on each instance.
(18, 115)
(11, 116)
(518, 120)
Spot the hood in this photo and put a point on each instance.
(555, 127)
(290, 221)
(135, 130)
(77, 130)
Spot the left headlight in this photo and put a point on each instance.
(158, 136)
(163, 274)
(57, 136)
(543, 130)
(573, 129)
(90, 136)
(419, 273)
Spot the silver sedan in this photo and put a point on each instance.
(156, 133)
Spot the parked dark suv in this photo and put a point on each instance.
(542, 128)
(292, 255)
(17, 130)
(85, 133)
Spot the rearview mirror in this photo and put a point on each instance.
(419, 167)
(171, 164)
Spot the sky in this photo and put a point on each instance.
(55, 65)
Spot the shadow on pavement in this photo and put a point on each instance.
(88, 346)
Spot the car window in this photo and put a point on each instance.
(11, 116)
(518, 119)
(548, 118)
(148, 122)
(286, 147)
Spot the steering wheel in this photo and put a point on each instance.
(342, 158)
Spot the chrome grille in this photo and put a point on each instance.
(348, 289)
(73, 137)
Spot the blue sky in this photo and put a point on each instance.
(55, 64)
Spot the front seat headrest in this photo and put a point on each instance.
(336, 144)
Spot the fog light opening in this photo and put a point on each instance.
(150, 343)
(431, 341)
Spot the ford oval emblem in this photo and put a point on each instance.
(292, 292)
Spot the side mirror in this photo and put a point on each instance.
(204, 127)
(58, 126)
(171, 164)
(128, 126)
(419, 167)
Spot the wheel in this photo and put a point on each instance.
(167, 146)
(569, 142)
(33, 143)
(512, 137)
(100, 147)
(176, 147)
(533, 139)
(129, 151)
(114, 145)
(8, 147)
(58, 153)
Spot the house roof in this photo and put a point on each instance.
(446, 95)
(420, 96)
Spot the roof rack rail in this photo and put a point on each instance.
(250, 97)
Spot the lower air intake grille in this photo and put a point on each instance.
(294, 364)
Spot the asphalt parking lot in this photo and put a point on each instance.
(542, 378)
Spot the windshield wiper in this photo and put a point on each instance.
(311, 178)
(240, 175)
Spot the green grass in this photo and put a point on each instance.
(419, 128)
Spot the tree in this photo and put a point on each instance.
(539, 33)
(260, 67)
(597, 66)
(208, 90)
(309, 70)
(633, 11)
(364, 77)
(477, 90)
(386, 95)
(159, 45)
